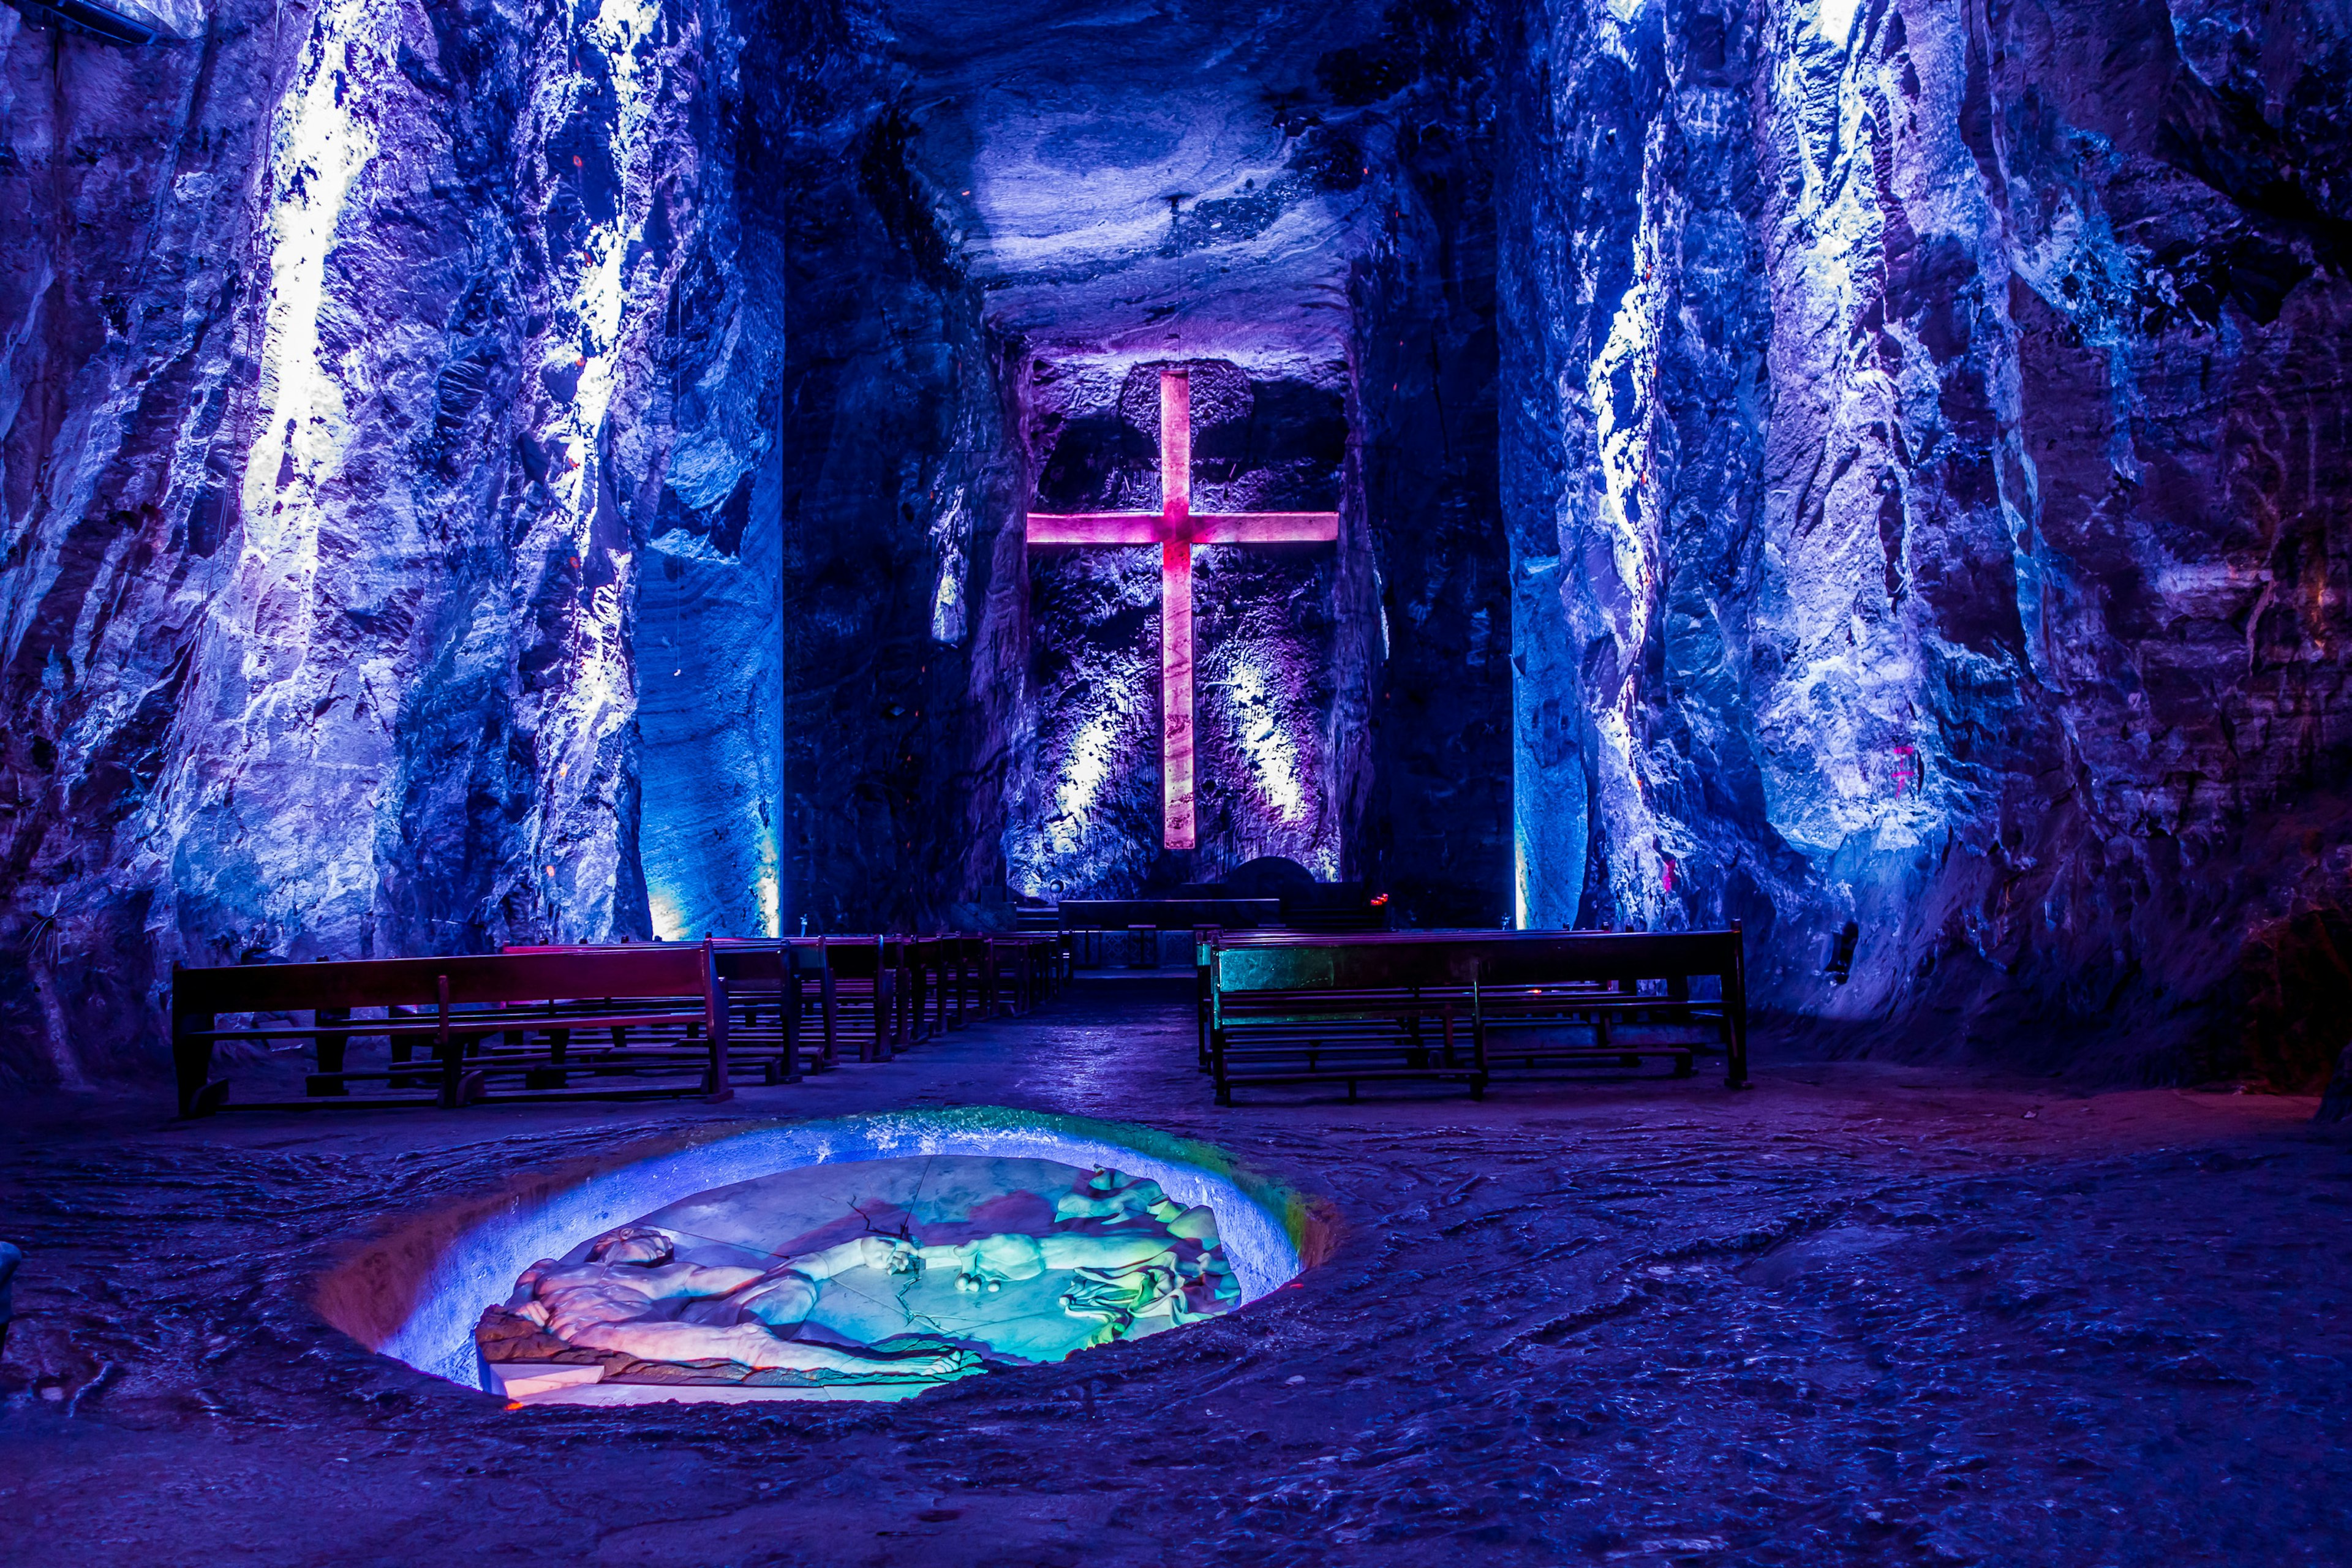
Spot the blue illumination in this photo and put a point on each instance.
(1260, 1224)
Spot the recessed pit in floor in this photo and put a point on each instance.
(868, 1257)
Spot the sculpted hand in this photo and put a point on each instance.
(889, 1253)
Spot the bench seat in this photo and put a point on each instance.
(642, 1010)
(1471, 1007)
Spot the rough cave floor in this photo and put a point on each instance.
(1860, 1314)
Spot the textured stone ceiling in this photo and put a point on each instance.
(1119, 173)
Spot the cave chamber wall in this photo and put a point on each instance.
(901, 489)
(340, 404)
(1925, 463)
(1435, 604)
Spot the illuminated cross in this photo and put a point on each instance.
(1176, 528)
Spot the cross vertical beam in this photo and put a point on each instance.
(1176, 610)
(1176, 693)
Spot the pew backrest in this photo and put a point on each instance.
(458, 997)
(473, 980)
(1255, 970)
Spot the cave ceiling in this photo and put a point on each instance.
(1127, 179)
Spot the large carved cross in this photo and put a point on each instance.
(1176, 528)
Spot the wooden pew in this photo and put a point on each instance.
(1062, 962)
(544, 1018)
(1583, 999)
(928, 984)
(1089, 921)
(771, 987)
(1020, 971)
(941, 964)
(1291, 1007)
(865, 971)
(1320, 1009)
(815, 998)
(922, 963)
(1004, 975)
(958, 979)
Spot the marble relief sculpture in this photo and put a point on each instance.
(633, 1295)
(962, 1262)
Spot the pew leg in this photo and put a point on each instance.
(191, 1065)
(332, 1045)
(559, 1045)
(788, 1022)
(784, 1066)
(450, 1051)
(403, 1051)
(1735, 1018)
(718, 1085)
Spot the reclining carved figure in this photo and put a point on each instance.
(634, 1296)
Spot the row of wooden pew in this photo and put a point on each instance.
(1276, 1007)
(1287, 1007)
(609, 1022)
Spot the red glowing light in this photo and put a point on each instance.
(1905, 774)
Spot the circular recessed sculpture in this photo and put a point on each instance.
(862, 1280)
(896, 1250)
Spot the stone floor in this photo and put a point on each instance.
(1860, 1314)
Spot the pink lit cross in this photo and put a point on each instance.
(1176, 528)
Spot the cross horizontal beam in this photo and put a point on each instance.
(1200, 528)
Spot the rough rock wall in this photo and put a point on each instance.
(1634, 389)
(336, 395)
(1980, 643)
(1423, 298)
(901, 489)
(707, 626)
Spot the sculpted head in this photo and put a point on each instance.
(638, 1243)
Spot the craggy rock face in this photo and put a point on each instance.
(1929, 509)
(357, 368)
(1871, 470)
